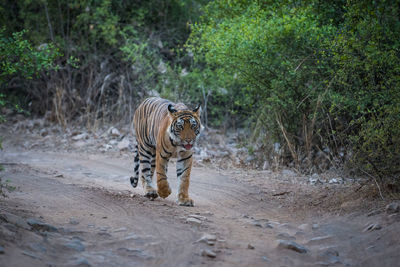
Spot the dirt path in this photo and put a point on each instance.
(91, 216)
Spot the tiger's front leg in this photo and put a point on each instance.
(162, 159)
(183, 169)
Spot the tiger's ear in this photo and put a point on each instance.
(171, 109)
(197, 110)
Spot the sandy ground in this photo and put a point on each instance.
(76, 208)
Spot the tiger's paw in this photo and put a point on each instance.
(163, 189)
(188, 202)
(152, 194)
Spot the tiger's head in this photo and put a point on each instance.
(185, 126)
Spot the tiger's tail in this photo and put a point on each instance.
(135, 178)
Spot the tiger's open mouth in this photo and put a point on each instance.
(188, 146)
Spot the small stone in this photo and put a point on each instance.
(373, 213)
(199, 217)
(13, 219)
(114, 132)
(392, 208)
(315, 179)
(285, 236)
(123, 145)
(193, 221)
(82, 262)
(75, 244)
(41, 226)
(122, 229)
(304, 227)
(372, 227)
(44, 132)
(80, 136)
(292, 246)
(30, 254)
(207, 238)
(335, 181)
(250, 246)
(315, 226)
(208, 253)
(73, 221)
(265, 258)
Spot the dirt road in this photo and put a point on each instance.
(78, 209)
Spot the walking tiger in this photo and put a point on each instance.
(162, 129)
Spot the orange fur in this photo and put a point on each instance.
(162, 129)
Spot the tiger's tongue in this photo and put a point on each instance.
(188, 146)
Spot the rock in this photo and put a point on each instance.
(304, 227)
(73, 221)
(41, 226)
(208, 238)
(262, 223)
(79, 144)
(315, 226)
(13, 219)
(250, 246)
(372, 227)
(75, 244)
(44, 132)
(113, 142)
(265, 258)
(319, 239)
(208, 253)
(123, 145)
(336, 181)
(315, 179)
(199, 217)
(249, 159)
(285, 236)
(329, 257)
(80, 136)
(1, 250)
(392, 208)
(30, 254)
(122, 229)
(193, 221)
(106, 147)
(292, 246)
(81, 262)
(114, 132)
(373, 213)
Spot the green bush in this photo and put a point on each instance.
(275, 55)
(318, 77)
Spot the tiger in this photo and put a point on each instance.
(163, 129)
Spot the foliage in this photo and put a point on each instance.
(320, 77)
(19, 57)
(275, 55)
(117, 47)
(366, 99)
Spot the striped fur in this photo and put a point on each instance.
(163, 129)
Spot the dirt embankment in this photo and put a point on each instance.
(74, 206)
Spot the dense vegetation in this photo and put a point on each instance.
(320, 78)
